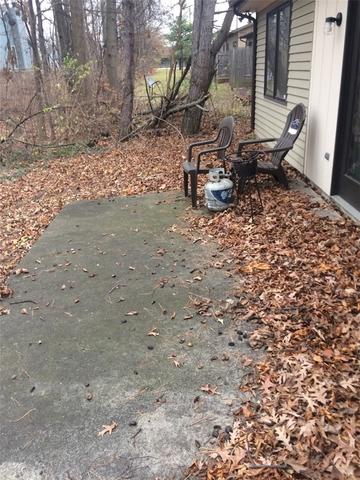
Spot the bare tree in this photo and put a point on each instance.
(128, 67)
(41, 38)
(78, 36)
(176, 47)
(79, 45)
(204, 50)
(111, 48)
(37, 67)
(62, 25)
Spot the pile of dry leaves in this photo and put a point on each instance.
(298, 277)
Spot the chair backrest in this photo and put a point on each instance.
(226, 131)
(293, 126)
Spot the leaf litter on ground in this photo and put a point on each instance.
(296, 273)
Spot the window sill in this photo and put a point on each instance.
(275, 100)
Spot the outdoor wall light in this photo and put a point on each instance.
(331, 21)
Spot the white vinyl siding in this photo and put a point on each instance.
(270, 115)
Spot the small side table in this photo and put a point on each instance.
(243, 171)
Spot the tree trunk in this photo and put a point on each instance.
(62, 25)
(42, 45)
(37, 69)
(128, 68)
(204, 51)
(111, 52)
(78, 35)
(79, 47)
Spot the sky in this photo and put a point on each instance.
(221, 6)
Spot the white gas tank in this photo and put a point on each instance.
(218, 190)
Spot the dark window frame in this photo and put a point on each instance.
(271, 12)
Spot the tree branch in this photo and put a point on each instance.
(223, 32)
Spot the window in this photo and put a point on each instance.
(277, 52)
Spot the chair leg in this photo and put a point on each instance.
(240, 188)
(186, 184)
(281, 177)
(251, 201)
(258, 192)
(193, 180)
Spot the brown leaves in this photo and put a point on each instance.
(297, 274)
(283, 436)
(301, 288)
(250, 267)
(108, 429)
(103, 175)
(153, 333)
(210, 389)
(5, 291)
(19, 271)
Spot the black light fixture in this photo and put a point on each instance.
(330, 21)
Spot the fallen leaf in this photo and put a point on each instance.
(108, 429)
(317, 358)
(211, 390)
(19, 271)
(250, 267)
(153, 333)
(197, 278)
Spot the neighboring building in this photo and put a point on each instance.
(239, 38)
(15, 51)
(306, 54)
(234, 60)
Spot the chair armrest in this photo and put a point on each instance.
(252, 142)
(198, 144)
(205, 152)
(268, 150)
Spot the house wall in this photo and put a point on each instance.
(270, 115)
(327, 62)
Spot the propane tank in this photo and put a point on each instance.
(218, 190)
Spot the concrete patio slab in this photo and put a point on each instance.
(76, 354)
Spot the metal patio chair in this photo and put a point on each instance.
(293, 126)
(192, 165)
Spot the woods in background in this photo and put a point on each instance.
(88, 57)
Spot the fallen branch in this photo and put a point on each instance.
(186, 106)
(47, 145)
